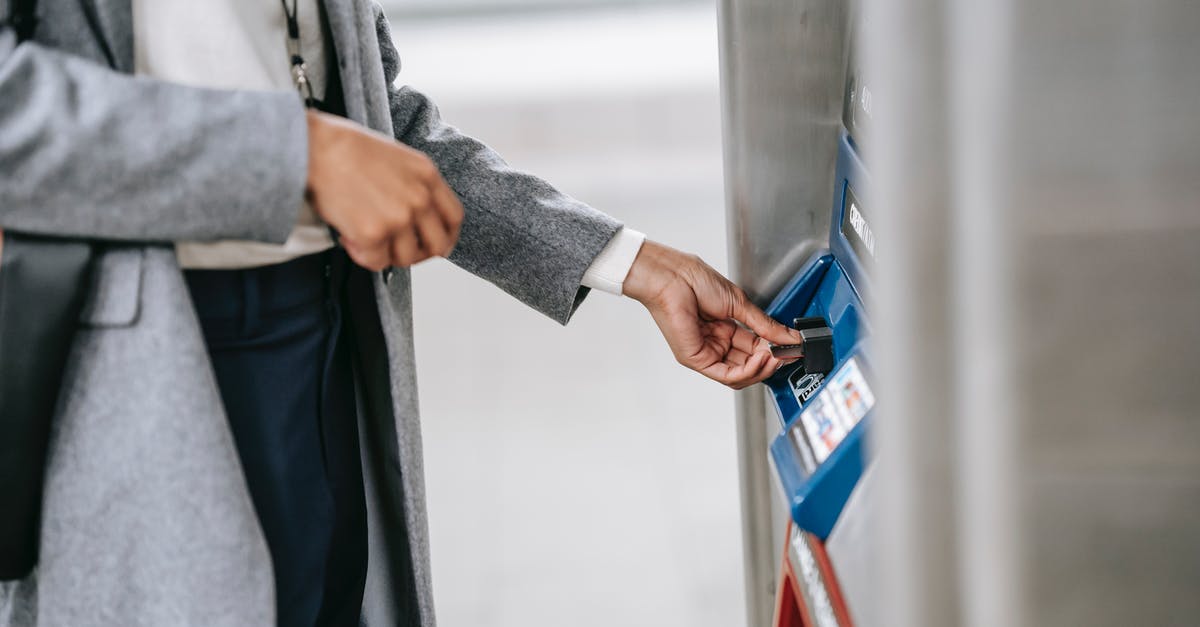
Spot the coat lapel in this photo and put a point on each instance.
(113, 22)
(341, 17)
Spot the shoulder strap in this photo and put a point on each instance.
(23, 18)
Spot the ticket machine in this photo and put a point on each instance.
(826, 401)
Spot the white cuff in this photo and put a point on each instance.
(608, 271)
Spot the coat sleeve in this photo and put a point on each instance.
(88, 152)
(519, 233)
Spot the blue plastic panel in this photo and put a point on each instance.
(817, 489)
(820, 289)
(852, 179)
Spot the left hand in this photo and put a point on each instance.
(698, 312)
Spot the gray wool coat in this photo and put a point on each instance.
(146, 517)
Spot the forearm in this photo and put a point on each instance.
(88, 152)
(519, 232)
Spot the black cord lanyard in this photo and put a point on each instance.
(299, 67)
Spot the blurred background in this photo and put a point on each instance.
(1032, 171)
(577, 475)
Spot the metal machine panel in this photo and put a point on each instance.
(853, 548)
(782, 75)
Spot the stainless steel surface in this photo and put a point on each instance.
(1040, 456)
(759, 548)
(782, 73)
(854, 551)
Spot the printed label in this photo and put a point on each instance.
(820, 607)
(856, 226)
(804, 385)
(836, 410)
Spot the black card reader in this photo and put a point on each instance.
(815, 347)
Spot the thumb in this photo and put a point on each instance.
(763, 325)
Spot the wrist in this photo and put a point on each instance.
(655, 267)
(325, 132)
(316, 133)
(316, 137)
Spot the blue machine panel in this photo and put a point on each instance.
(851, 236)
(819, 454)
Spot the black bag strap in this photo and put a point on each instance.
(22, 16)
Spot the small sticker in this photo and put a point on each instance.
(854, 396)
(836, 410)
(823, 426)
(805, 384)
(820, 607)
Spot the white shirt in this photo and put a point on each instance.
(242, 44)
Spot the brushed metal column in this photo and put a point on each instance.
(1039, 291)
(782, 74)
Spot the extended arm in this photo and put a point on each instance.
(536, 243)
(519, 232)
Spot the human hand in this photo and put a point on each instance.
(388, 202)
(698, 312)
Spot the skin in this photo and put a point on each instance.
(391, 207)
(709, 323)
(388, 202)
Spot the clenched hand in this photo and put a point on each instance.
(699, 311)
(388, 202)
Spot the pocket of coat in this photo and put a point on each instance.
(114, 298)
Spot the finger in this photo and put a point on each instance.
(756, 368)
(450, 210)
(736, 357)
(769, 364)
(769, 368)
(737, 376)
(750, 315)
(773, 363)
(406, 249)
(435, 240)
(373, 258)
(745, 340)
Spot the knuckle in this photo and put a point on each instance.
(422, 199)
(426, 168)
(373, 233)
(369, 262)
(402, 256)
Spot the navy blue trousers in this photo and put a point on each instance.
(281, 353)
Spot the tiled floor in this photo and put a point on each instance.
(578, 476)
